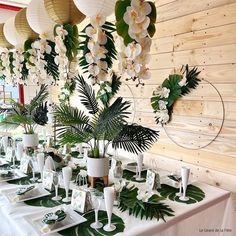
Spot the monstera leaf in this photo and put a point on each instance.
(194, 193)
(84, 229)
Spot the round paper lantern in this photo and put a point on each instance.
(3, 41)
(94, 7)
(23, 27)
(63, 11)
(38, 17)
(11, 33)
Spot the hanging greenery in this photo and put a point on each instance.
(143, 204)
(173, 88)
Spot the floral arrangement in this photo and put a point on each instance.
(176, 86)
(67, 91)
(136, 26)
(143, 204)
(98, 49)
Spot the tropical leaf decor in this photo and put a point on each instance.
(129, 175)
(173, 88)
(98, 47)
(143, 205)
(194, 193)
(84, 229)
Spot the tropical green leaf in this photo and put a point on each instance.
(135, 138)
(194, 193)
(87, 95)
(40, 114)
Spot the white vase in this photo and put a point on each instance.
(30, 140)
(97, 167)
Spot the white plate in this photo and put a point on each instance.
(18, 175)
(37, 192)
(2, 162)
(72, 219)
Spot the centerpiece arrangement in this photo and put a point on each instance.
(28, 116)
(103, 124)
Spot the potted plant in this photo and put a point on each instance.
(102, 124)
(28, 116)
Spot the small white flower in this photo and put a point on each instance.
(97, 21)
(162, 116)
(93, 70)
(162, 104)
(163, 92)
(60, 31)
(90, 31)
(143, 195)
(183, 81)
(133, 50)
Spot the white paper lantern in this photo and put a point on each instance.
(11, 33)
(94, 7)
(38, 17)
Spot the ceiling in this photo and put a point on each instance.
(17, 3)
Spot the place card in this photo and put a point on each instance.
(80, 200)
(24, 165)
(48, 180)
(152, 180)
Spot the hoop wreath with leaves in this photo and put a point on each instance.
(173, 88)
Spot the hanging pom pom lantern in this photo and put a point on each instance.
(38, 17)
(3, 41)
(11, 33)
(96, 7)
(23, 27)
(63, 12)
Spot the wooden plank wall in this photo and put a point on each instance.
(199, 33)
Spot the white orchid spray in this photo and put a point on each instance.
(18, 60)
(98, 49)
(6, 68)
(61, 58)
(139, 16)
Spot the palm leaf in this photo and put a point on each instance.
(87, 95)
(111, 119)
(135, 138)
(40, 114)
(38, 99)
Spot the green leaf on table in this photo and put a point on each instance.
(84, 229)
(129, 175)
(194, 193)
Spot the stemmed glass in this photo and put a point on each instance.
(96, 203)
(67, 175)
(139, 166)
(40, 158)
(184, 177)
(33, 164)
(109, 197)
(56, 184)
(177, 176)
(13, 158)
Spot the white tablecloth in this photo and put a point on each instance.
(214, 213)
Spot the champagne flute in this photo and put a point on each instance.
(96, 202)
(19, 150)
(40, 158)
(33, 166)
(177, 176)
(56, 184)
(109, 197)
(184, 176)
(139, 166)
(67, 175)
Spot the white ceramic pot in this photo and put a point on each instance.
(97, 167)
(30, 140)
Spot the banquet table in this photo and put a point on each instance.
(213, 215)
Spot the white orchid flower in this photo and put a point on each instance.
(142, 7)
(162, 116)
(90, 31)
(163, 92)
(103, 76)
(89, 58)
(132, 16)
(133, 69)
(97, 21)
(93, 70)
(144, 74)
(102, 65)
(183, 81)
(133, 50)
(143, 195)
(99, 52)
(60, 31)
(101, 37)
(162, 104)
(143, 58)
(146, 44)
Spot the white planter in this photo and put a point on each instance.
(30, 140)
(97, 167)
